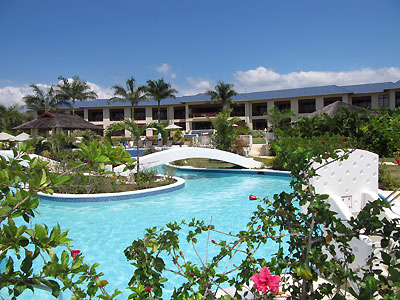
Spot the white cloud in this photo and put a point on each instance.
(261, 79)
(166, 70)
(196, 86)
(11, 95)
(163, 69)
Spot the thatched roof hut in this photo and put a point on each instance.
(50, 121)
(337, 107)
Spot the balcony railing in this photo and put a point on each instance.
(204, 114)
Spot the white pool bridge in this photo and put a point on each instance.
(174, 154)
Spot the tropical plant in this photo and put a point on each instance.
(43, 100)
(74, 89)
(278, 119)
(222, 94)
(225, 134)
(159, 90)
(136, 131)
(35, 256)
(131, 93)
(11, 117)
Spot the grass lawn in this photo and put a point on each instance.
(258, 141)
(205, 163)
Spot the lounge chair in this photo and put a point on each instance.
(159, 143)
(148, 144)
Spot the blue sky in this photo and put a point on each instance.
(257, 45)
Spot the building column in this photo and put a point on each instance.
(392, 99)
(294, 107)
(247, 114)
(106, 117)
(319, 103)
(375, 101)
(85, 114)
(170, 114)
(127, 116)
(149, 115)
(346, 99)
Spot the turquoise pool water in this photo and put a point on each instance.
(101, 231)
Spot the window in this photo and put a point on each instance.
(116, 114)
(139, 114)
(238, 110)
(282, 105)
(163, 114)
(383, 100)
(259, 109)
(330, 100)
(95, 115)
(362, 101)
(306, 106)
(397, 100)
(179, 112)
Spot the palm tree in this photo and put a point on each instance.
(42, 100)
(133, 128)
(277, 118)
(75, 90)
(223, 93)
(132, 94)
(159, 90)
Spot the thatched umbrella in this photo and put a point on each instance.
(49, 121)
(337, 107)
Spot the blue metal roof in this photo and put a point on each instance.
(276, 94)
(369, 88)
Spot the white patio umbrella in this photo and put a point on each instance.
(4, 136)
(173, 126)
(22, 137)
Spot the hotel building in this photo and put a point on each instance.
(194, 112)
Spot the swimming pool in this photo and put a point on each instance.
(101, 231)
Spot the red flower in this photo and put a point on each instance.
(180, 253)
(328, 153)
(191, 275)
(322, 141)
(252, 197)
(147, 289)
(214, 242)
(74, 253)
(265, 281)
(259, 227)
(398, 161)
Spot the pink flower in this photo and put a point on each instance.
(252, 197)
(398, 161)
(265, 281)
(74, 253)
(328, 153)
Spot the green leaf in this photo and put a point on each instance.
(76, 263)
(4, 210)
(44, 177)
(40, 231)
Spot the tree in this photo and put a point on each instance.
(136, 131)
(159, 90)
(225, 132)
(74, 90)
(222, 94)
(11, 117)
(43, 100)
(132, 94)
